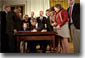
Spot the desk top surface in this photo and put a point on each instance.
(34, 33)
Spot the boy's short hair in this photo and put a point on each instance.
(25, 15)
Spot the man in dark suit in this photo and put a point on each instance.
(36, 27)
(74, 24)
(41, 19)
(48, 21)
(10, 30)
(4, 39)
(75, 14)
(13, 25)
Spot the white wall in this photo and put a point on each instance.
(30, 5)
(37, 5)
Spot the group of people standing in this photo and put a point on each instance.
(57, 19)
(68, 20)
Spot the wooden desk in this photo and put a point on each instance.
(24, 36)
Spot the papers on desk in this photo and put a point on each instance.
(24, 31)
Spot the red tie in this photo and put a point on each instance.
(70, 12)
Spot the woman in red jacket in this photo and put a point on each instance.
(61, 21)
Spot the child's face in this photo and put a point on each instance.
(56, 9)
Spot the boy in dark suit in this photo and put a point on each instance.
(41, 19)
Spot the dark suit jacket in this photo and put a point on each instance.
(43, 20)
(49, 27)
(3, 21)
(3, 35)
(13, 22)
(29, 21)
(39, 29)
(3, 24)
(75, 15)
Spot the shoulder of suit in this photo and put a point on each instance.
(2, 12)
(29, 18)
(76, 5)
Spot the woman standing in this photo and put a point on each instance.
(61, 21)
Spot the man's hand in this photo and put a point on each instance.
(34, 30)
(15, 31)
(58, 26)
(44, 31)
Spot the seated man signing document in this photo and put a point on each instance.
(36, 27)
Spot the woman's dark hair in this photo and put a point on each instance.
(58, 6)
(52, 9)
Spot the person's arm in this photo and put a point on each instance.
(64, 16)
